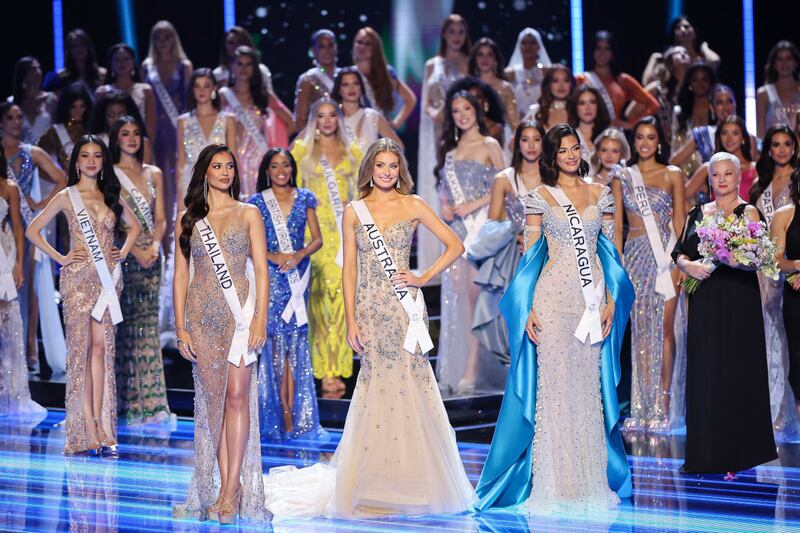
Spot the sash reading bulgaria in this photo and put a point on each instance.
(336, 203)
(417, 333)
(474, 220)
(592, 296)
(108, 296)
(241, 315)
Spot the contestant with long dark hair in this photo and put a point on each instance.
(37, 106)
(91, 281)
(221, 322)
(286, 395)
(71, 121)
(694, 110)
(728, 424)
(589, 116)
(555, 447)
(778, 100)
(486, 63)
(80, 65)
(557, 85)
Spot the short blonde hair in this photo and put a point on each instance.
(368, 163)
(724, 156)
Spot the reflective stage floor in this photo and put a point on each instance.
(42, 490)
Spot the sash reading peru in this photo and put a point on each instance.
(108, 296)
(417, 332)
(590, 321)
(474, 220)
(296, 305)
(336, 202)
(664, 284)
(141, 206)
(242, 316)
(8, 289)
(595, 81)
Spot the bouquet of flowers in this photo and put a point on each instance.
(746, 242)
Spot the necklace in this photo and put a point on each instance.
(558, 105)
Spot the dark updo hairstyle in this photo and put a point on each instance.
(546, 98)
(450, 130)
(337, 85)
(136, 75)
(97, 120)
(765, 166)
(499, 69)
(770, 72)
(107, 180)
(264, 182)
(71, 94)
(113, 138)
(195, 201)
(601, 121)
(663, 157)
(746, 144)
(191, 102)
(548, 165)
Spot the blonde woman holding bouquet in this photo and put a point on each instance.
(728, 422)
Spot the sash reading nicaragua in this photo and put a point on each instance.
(777, 105)
(296, 305)
(417, 332)
(242, 316)
(767, 205)
(336, 202)
(108, 296)
(8, 289)
(244, 117)
(64, 139)
(163, 96)
(590, 321)
(663, 259)
(595, 81)
(474, 220)
(141, 206)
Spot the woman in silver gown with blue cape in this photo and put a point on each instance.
(534, 442)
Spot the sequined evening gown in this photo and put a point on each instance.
(80, 288)
(569, 453)
(211, 325)
(15, 397)
(398, 452)
(194, 140)
(287, 340)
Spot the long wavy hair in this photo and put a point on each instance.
(313, 152)
(21, 68)
(601, 120)
(195, 201)
(765, 166)
(612, 134)
(136, 75)
(107, 180)
(500, 65)
(153, 57)
(69, 95)
(551, 143)
(191, 101)
(337, 85)
(244, 38)
(546, 98)
(264, 182)
(448, 140)
(516, 156)
(746, 144)
(686, 99)
(663, 157)
(97, 118)
(454, 18)
(91, 67)
(368, 164)
(770, 72)
(378, 77)
(113, 139)
(257, 91)
(608, 37)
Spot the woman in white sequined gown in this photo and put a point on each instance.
(398, 453)
(526, 68)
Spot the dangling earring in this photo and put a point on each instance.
(456, 134)
(79, 172)
(214, 94)
(205, 190)
(370, 183)
(486, 107)
(100, 176)
(316, 134)
(398, 183)
(659, 150)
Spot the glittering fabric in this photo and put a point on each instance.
(15, 398)
(80, 288)
(286, 340)
(194, 140)
(694, 161)
(320, 83)
(210, 323)
(790, 109)
(249, 153)
(141, 387)
(330, 354)
(647, 316)
(569, 449)
(51, 143)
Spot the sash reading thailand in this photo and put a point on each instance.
(417, 332)
(163, 96)
(296, 305)
(590, 321)
(64, 139)
(664, 284)
(336, 203)
(245, 119)
(767, 205)
(141, 206)
(595, 81)
(8, 289)
(474, 220)
(108, 296)
(241, 315)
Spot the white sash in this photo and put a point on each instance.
(108, 296)
(163, 96)
(27, 212)
(241, 315)
(520, 190)
(474, 220)
(767, 206)
(664, 284)
(64, 139)
(8, 290)
(141, 206)
(325, 80)
(590, 321)
(595, 81)
(777, 105)
(296, 305)
(336, 202)
(417, 332)
(244, 117)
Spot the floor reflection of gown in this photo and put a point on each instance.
(210, 323)
(15, 397)
(398, 452)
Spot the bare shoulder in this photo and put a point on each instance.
(752, 212)
(674, 173)
(249, 210)
(154, 171)
(490, 142)
(417, 205)
(783, 215)
(761, 90)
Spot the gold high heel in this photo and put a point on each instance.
(229, 514)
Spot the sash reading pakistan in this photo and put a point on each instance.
(417, 332)
(473, 221)
(592, 296)
(141, 206)
(336, 202)
(245, 119)
(108, 296)
(241, 315)
(296, 305)
(595, 81)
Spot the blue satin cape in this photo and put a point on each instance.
(506, 477)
